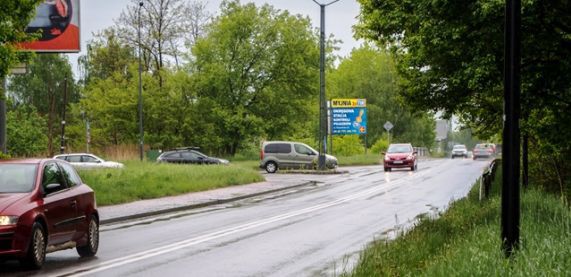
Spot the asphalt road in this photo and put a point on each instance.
(316, 230)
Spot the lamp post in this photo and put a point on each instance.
(141, 133)
(322, 104)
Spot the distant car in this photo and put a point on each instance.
(400, 155)
(276, 155)
(483, 150)
(85, 160)
(45, 207)
(459, 150)
(188, 155)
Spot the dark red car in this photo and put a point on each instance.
(45, 207)
(400, 155)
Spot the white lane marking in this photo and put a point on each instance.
(208, 237)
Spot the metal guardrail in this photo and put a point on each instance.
(487, 179)
(421, 151)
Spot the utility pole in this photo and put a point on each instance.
(322, 99)
(511, 133)
(141, 132)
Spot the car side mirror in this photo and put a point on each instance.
(383, 153)
(415, 153)
(52, 188)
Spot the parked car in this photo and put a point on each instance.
(45, 207)
(459, 150)
(85, 160)
(276, 155)
(188, 155)
(400, 155)
(483, 150)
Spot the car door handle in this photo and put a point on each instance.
(74, 203)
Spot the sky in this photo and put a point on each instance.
(97, 15)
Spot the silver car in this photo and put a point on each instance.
(459, 150)
(85, 160)
(276, 155)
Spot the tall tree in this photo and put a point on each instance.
(370, 73)
(106, 55)
(450, 56)
(43, 87)
(166, 25)
(258, 67)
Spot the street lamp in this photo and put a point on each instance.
(322, 104)
(141, 133)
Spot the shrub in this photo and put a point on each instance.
(347, 145)
(380, 145)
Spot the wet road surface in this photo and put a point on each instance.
(317, 230)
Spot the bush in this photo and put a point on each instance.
(380, 145)
(347, 145)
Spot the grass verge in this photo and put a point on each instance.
(465, 241)
(144, 180)
(368, 159)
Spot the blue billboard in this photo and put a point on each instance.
(349, 121)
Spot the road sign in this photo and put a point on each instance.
(388, 126)
(349, 121)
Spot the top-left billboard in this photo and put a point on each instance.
(57, 23)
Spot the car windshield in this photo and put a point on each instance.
(481, 146)
(459, 147)
(17, 178)
(399, 149)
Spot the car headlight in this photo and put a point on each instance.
(387, 158)
(8, 220)
(410, 157)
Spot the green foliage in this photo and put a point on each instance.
(370, 73)
(14, 17)
(48, 78)
(380, 145)
(4, 156)
(347, 145)
(26, 132)
(450, 58)
(144, 180)
(254, 72)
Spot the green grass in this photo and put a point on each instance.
(368, 159)
(146, 180)
(465, 241)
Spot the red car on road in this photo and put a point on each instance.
(401, 155)
(45, 207)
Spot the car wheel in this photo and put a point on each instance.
(90, 249)
(452, 156)
(36, 255)
(387, 169)
(271, 167)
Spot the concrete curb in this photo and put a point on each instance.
(199, 205)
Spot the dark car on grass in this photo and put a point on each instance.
(400, 155)
(188, 155)
(45, 207)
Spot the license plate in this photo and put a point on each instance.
(397, 162)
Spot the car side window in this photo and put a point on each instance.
(52, 175)
(189, 156)
(172, 156)
(70, 175)
(62, 158)
(88, 159)
(301, 149)
(73, 159)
